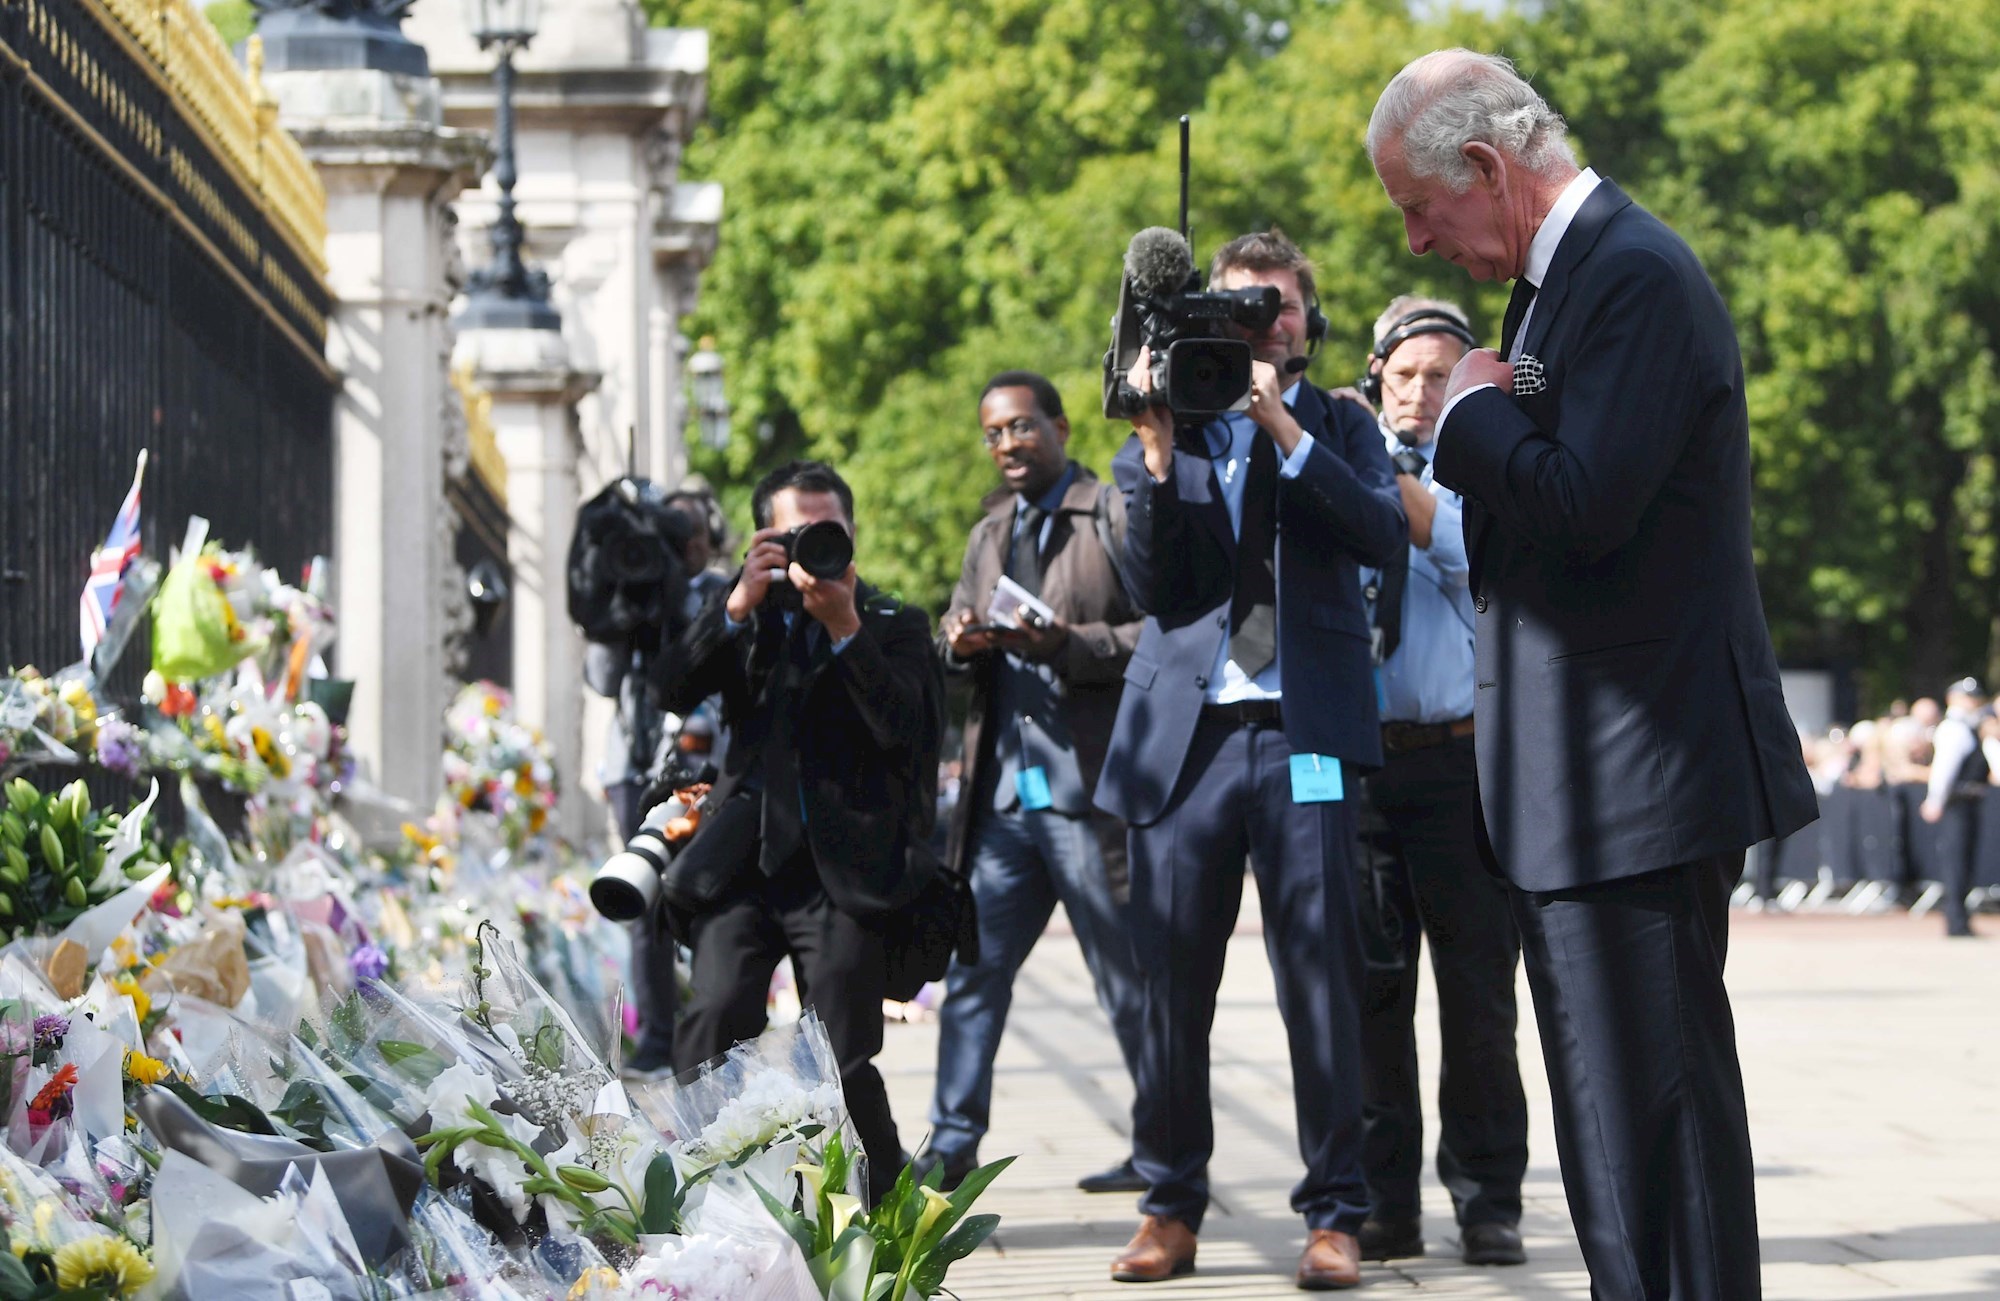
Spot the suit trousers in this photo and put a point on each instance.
(1431, 882)
(1647, 1094)
(841, 968)
(1023, 862)
(1234, 799)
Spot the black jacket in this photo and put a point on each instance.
(867, 733)
(1629, 710)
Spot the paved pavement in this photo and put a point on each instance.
(1871, 1051)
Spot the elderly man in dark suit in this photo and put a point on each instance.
(1632, 737)
(1249, 704)
(833, 695)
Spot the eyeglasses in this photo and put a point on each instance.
(1021, 429)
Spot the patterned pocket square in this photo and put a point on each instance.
(1529, 377)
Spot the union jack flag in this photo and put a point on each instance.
(107, 567)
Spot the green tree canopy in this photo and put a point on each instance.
(921, 194)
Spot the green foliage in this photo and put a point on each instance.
(922, 194)
(235, 19)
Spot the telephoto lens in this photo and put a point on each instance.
(625, 887)
(822, 548)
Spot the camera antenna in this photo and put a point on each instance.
(1184, 178)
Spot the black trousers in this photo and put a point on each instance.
(841, 967)
(1419, 830)
(1234, 799)
(1647, 1093)
(1957, 837)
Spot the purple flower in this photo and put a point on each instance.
(119, 747)
(49, 1031)
(368, 963)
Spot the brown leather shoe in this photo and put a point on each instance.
(1160, 1250)
(1332, 1261)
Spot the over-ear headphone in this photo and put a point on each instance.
(1315, 326)
(1425, 320)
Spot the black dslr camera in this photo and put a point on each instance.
(626, 577)
(822, 548)
(1200, 366)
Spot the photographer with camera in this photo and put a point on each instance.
(1044, 692)
(1419, 824)
(1248, 708)
(814, 835)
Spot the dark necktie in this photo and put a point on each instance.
(1389, 585)
(784, 817)
(1253, 614)
(1024, 566)
(1517, 311)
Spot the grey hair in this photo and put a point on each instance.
(1448, 99)
(1404, 304)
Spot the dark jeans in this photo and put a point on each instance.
(841, 969)
(1646, 1091)
(1430, 882)
(1022, 863)
(1234, 799)
(652, 986)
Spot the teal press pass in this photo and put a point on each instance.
(1031, 785)
(1316, 779)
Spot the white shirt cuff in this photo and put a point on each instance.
(1455, 400)
(841, 645)
(1295, 464)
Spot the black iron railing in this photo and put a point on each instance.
(149, 297)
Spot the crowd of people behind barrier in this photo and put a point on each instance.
(1873, 846)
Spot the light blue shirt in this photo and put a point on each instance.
(1430, 679)
(1227, 682)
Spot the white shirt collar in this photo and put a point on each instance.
(1542, 249)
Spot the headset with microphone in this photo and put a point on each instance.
(1425, 320)
(1315, 336)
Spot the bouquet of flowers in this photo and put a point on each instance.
(60, 856)
(47, 720)
(497, 765)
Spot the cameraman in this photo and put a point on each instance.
(1247, 706)
(1419, 820)
(833, 698)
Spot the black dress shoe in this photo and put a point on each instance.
(1121, 1178)
(1492, 1244)
(1391, 1239)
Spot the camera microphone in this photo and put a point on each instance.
(1158, 263)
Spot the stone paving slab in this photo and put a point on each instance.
(1871, 1051)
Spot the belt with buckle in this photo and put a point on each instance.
(1401, 738)
(1244, 713)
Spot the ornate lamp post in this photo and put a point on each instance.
(711, 404)
(506, 293)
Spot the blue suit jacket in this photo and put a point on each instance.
(1628, 705)
(1341, 512)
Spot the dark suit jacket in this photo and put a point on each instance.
(867, 735)
(1080, 582)
(1341, 512)
(1629, 715)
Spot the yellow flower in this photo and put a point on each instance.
(589, 1283)
(102, 1261)
(77, 697)
(935, 1204)
(145, 1070)
(124, 952)
(142, 1002)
